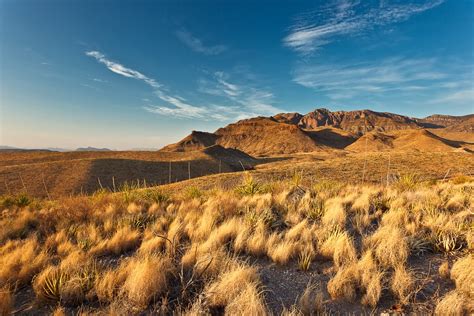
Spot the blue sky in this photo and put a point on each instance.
(141, 74)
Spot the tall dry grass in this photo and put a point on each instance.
(194, 252)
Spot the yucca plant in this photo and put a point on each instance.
(154, 195)
(297, 178)
(305, 259)
(419, 245)
(328, 187)
(407, 182)
(49, 284)
(316, 210)
(193, 192)
(447, 242)
(138, 221)
(249, 186)
(334, 232)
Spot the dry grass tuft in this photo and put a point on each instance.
(125, 239)
(444, 270)
(402, 284)
(248, 302)
(6, 301)
(229, 285)
(147, 279)
(108, 284)
(339, 247)
(311, 301)
(463, 275)
(282, 251)
(453, 304)
(344, 284)
(20, 261)
(390, 246)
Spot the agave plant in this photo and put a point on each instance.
(316, 210)
(249, 186)
(419, 245)
(447, 242)
(50, 284)
(305, 259)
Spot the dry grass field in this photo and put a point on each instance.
(54, 175)
(286, 247)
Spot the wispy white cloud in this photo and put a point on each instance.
(181, 108)
(312, 30)
(350, 79)
(248, 98)
(99, 80)
(463, 96)
(122, 70)
(197, 45)
(247, 101)
(429, 80)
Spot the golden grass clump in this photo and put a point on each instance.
(443, 270)
(344, 251)
(152, 246)
(370, 279)
(230, 284)
(454, 303)
(463, 276)
(248, 302)
(6, 301)
(108, 283)
(125, 239)
(402, 284)
(257, 241)
(223, 234)
(19, 226)
(147, 279)
(373, 289)
(20, 261)
(282, 251)
(389, 245)
(344, 283)
(335, 214)
(340, 247)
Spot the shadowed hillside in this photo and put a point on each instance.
(59, 174)
(408, 140)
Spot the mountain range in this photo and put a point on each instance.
(321, 129)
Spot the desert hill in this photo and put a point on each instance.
(266, 136)
(407, 140)
(195, 141)
(255, 136)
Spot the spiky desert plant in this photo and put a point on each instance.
(407, 182)
(305, 259)
(446, 241)
(49, 284)
(249, 186)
